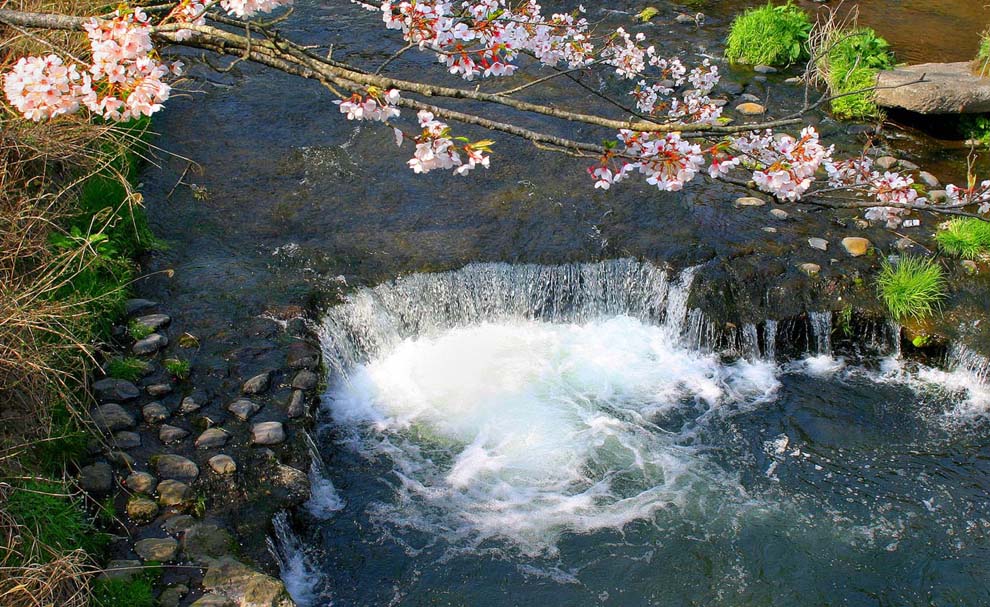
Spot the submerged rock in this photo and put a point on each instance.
(750, 201)
(142, 509)
(154, 413)
(150, 344)
(96, 478)
(112, 417)
(948, 88)
(257, 384)
(115, 390)
(141, 482)
(154, 549)
(154, 321)
(205, 541)
(171, 434)
(173, 493)
(175, 467)
(243, 408)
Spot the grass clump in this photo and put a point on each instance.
(138, 330)
(913, 289)
(769, 35)
(851, 59)
(52, 521)
(981, 64)
(178, 368)
(967, 237)
(128, 368)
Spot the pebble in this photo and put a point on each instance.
(780, 214)
(154, 413)
(749, 98)
(243, 408)
(223, 464)
(126, 439)
(811, 269)
(150, 344)
(907, 165)
(96, 478)
(141, 509)
(171, 434)
(133, 306)
(111, 417)
(257, 384)
(818, 243)
(212, 438)
(856, 246)
(174, 466)
(746, 201)
(770, 230)
(685, 19)
(155, 549)
(157, 390)
(885, 163)
(794, 81)
(751, 109)
(154, 321)
(173, 493)
(141, 482)
(189, 404)
(764, 69)
(267, 433)
(929, 179)
(297, 404)
(115, 390)
(307, 380)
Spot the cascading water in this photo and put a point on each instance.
(574, 432)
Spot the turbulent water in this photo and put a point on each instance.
(504, 435)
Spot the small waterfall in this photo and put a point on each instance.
(324, 500)
(750, 342)
(677, 300)
(821, 331)
(894, 331)
(702, 333)
(770, 340)
(961, 358)
(297, 572)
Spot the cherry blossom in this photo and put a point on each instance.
(376, 105)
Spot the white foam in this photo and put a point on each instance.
(526, 429)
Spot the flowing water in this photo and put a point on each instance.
(509, 435)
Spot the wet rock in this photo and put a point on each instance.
(794, 81)
(749, 98)
(115, 390)
(257, 384)
(173, 595)
(223, 464)
(141, 509)
(189, 405)
(206, 540)
(111, 417)
(267, 433)
(730, 88)
(150, 344)
(907, 165)
(212, 438)
(928, 179)
(307, 380)
(938, 196)
(154, 321)
(213, 600)
(243, 408)
(173, 493)
(157, 390)
(295, 482)
(856, 246)
(818, 243)
(751, 109)
(948, 88)
(123, 570)
(126, 440)
(759, 78)
(133, 306)
(745, 201)
(764, 69)
(141, 482)
(885, 163)
(179, 523)
(779, 214)
(297, 404)
(301, 355)
(969, 266)
(154, 413)
(120, 459)
(811, 269)
(171, 434)
(245, 585)
(176, 467)
(96, 478)
(155, 549)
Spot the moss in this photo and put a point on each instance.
(53, 519)
(913, 289)
(852, 64)
(769, 35)
(128, 368)
(968, 238)
(138, 330)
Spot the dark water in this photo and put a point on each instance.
(885, 505)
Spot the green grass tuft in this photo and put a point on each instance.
(129, 368)
(138, 330)
(769, 35)
(53, 519)
(914, 288)
(968, 238)
(178, 368)
(851, 65)
(136, 592)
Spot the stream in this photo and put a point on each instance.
(533, 395)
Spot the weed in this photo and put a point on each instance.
(844, 321)
(914, 288)
(769, 35)
(852, 64)
(178, 368)
(968, 238)
(138, 331)
(129, 368)
(135, 592)
(52, 519)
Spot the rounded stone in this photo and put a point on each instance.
(157, 390)
(267, 433)
(154, 413)
(856, 246)
(189, 405)
(297, 404)
(750, 108)
(150, 344)
(206, 540)
(175, 467)
(885, 163)
(212, 438)
(818, 243)
(178, 523)
(928, 179)
(811, 269)
(306, 380)
(155, 549)
(779, 214)
(154, 321)
(750, 201)
(171, 434)
(243, 408)
(115, 390)
(141, 509)
(223, 464)
(764, 69)
(96, 478)
(173, 492)
(257, 384)
(125, 439)
(112, 417)
(141, 482)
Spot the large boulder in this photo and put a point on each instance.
(948, 88)
(243, 585)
